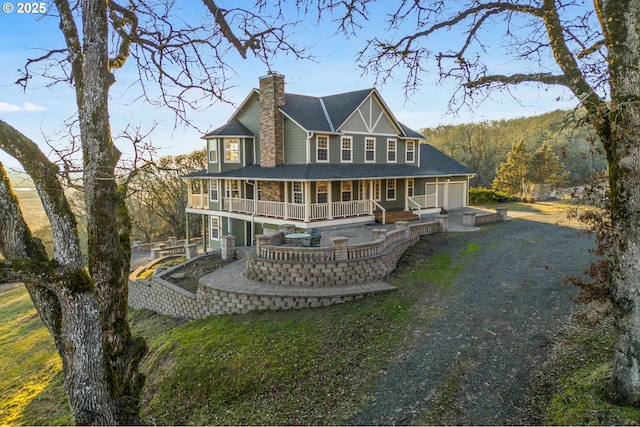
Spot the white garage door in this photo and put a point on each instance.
(457, 195)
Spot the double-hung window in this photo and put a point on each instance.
(322, 148)
(322, 192)
(391, 150)
(213, 190)
(213, 151)
(410, 183)
(411, 152)
(346, 191)
(370, 150)
(391, 189)
(215, 227)
(232, 150)
(346, 149)
(297, 193)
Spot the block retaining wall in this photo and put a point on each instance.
(326, 273)
(166, 298)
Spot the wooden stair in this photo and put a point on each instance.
(394, 215)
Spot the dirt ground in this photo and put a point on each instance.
(188, 275)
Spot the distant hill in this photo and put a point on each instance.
(481, 147)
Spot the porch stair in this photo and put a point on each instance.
(394, 215)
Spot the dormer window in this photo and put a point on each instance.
(322, 148)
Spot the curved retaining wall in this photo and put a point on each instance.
(326, 273)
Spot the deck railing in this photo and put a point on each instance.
(295, 211)
(423, 201)
(198, 201)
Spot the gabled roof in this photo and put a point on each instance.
(231, 129)
(432, 163)
(325, 113)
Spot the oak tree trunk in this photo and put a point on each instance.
(618, 129)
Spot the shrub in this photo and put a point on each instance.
(486, 196)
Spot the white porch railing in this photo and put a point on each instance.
(423, 201)
(296, 211)
(198, 201)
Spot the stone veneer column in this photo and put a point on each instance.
(469, 219)
(227, 247)
(502, 211)
(340, 247)
(271, 121)
(443, 222)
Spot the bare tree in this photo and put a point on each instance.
(86, 309)
(593, 51)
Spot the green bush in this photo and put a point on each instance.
(487, 196)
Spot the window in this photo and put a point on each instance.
(410, 187)
(322, 192)
(213, 151)
(391, 150)
(411, 152)
(215, 227)
(322, 148)
(233, 189)
(376, 190)
(346, 149)
(391, 189)
(213, 190)
(346, 191)
(232, 150)
(370, 150)
(297, 193)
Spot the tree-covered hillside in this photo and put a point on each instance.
(483, 146)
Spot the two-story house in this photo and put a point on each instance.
(317, 162)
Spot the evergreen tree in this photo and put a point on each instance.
(513, 172)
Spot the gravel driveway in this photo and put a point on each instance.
(476, 343)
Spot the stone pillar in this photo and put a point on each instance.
(228, 247)
(443, 223)
(340, 248)
(191, 251)
(469, 219)
(502, 211)
(379, 233)
(171, 241)
(403, 225)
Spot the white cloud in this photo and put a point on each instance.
(26, 107)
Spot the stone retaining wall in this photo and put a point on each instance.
(326, 273)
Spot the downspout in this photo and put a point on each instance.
(309, 136)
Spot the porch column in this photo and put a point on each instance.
(330, 200)
(286, 200)
(406, 194)
(307, 201)
(371, 196)
(186, 223)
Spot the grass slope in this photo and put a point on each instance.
(310, 366)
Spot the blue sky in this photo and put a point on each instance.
(43, 110)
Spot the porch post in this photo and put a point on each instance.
(307, 201)
(330, 200)
(371, 196)
(406, 194)
(186, 223)
(286, 200)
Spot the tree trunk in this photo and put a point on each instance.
(618, 129)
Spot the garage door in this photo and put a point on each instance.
(457, 195)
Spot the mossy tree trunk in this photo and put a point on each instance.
(617, 126)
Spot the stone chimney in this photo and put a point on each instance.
(271, 121)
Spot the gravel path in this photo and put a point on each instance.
(477, 341)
